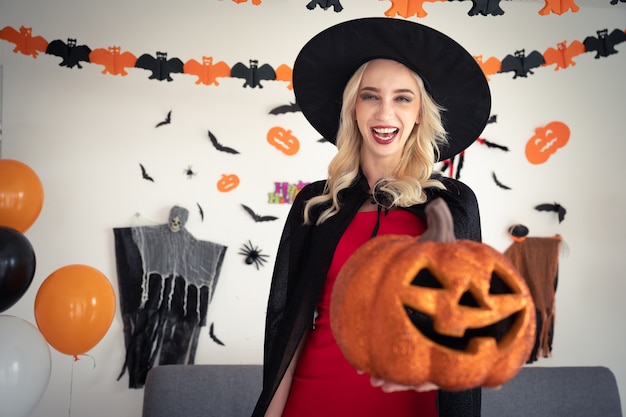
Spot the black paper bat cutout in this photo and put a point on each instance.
(200, 211)
(254, 74)
(286, 108)
(213, 337)
(167, 121)
(522, 64)
(325, 4)
(257, 218)
(604, 44)
(614, 2)
(498, 183)
(144, 174)
(71, 53)
(160, 66)
(219, 146)
(493, 119)
(555, 207)
(485, 7)
(492, 144)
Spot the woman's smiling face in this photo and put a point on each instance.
(387, 109)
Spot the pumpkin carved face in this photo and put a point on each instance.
(455, 314)
(283, 140)
(227, 183)
(546, 141)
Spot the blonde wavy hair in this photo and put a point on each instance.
(413, 174)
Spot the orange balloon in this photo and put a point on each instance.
(74, 308)
(21, 195)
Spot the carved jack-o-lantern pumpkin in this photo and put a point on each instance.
(455, 314)
(546, 141)
(283, 140)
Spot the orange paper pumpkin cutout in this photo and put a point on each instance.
(21, 195)
(546, 141)
(227, 183)
(413, 312)
(74, 308)
(283, 140)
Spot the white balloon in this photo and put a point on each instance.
(24, 366)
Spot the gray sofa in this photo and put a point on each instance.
(231, 391)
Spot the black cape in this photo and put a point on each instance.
(303, 259)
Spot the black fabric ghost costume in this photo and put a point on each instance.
(303, 258)
(167, 279)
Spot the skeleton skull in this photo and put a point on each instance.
(178, 218)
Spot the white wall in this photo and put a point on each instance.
(85, 133)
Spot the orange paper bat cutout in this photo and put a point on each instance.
(563, 54)
(558, 7)
(408, 8)
(284, 73)
(115, 62)
(207, 71)
(490, 66)
(24, 41)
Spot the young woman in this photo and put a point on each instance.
(395, 97)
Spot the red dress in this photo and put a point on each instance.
(324, 383)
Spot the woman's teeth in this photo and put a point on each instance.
(385, 133)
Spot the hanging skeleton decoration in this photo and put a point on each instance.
(166, 280)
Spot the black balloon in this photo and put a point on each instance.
(17, 266)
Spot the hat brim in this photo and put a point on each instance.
(451, 74)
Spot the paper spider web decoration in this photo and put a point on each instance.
(167, 279)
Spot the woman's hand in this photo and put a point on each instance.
(440, 224)
(387, 386)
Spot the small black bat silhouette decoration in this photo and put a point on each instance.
(492, 144)
(254, 74)
(498, 183)
(166, 121)
(144, 174)
(201, 211)
(325, 4)
(213, 337)
(257, 218)
(604, 43)
(71, 53)
(554, 207)
(219, 146)
(160, 66)
(522, 64)
(614, 2)
(286, 108)
(493, 119)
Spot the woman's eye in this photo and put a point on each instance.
(366, 97)
(404, 99)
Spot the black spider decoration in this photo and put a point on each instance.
(253, 255)
(190, 173)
